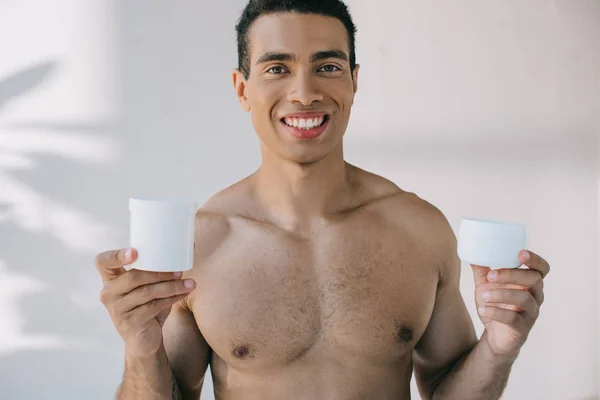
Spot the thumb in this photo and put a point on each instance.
(111, 263)
(162, 316)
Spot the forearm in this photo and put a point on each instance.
(148, 378)
(480, 375)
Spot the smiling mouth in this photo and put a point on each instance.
(306, 124)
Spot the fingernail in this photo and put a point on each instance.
(128, 254)
(526, 256)
(493, 275)
(486, 296)
(481, 310)
(177, 274)
(188, 283)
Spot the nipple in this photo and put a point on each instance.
(241, 352)
(405, 333)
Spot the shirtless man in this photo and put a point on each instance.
(314, 279)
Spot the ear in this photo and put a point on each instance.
(240, 85)
(355, 80)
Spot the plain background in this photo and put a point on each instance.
(487, 109)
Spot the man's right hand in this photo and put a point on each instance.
(138, 302)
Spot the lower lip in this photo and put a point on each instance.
(306, 133)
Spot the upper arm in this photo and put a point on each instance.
(450, 332)
(187, 351)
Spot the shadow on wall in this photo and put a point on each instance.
(18, 84)
(47, 305)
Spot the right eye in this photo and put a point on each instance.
(277, 70)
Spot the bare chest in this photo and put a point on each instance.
(265, 299)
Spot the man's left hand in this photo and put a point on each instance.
(508, 302)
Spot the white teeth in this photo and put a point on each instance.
(304, 123)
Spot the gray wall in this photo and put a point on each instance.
(487, 109)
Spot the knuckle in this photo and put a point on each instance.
(119, 255)
(514, 317)
(104, 296)
(116, 257)
(113, 310)
(131, 279)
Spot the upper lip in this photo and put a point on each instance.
(305, 114)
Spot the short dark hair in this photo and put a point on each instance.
(256, 8)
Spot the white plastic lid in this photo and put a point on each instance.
(163, 205)
(495, 229)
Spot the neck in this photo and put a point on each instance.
(294, 193)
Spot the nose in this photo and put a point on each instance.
(304, 90)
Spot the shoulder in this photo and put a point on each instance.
(430, 217)
(431, 229)
(216, 217)
(435, 230)
(401, 205)
(416, 218)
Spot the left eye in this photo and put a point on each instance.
(329, 68)
(277, 70)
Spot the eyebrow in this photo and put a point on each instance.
(275, 56)
(325, 54)
(319, 55)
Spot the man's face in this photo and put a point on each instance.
(300, 88)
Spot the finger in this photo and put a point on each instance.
(534, 262)
(519, 300)
(135, 278)
(507, 317)
(110, 263)
(522, 277)
(536, 291)
(120, 286)
(115, 258)
(147, 293)
(480, 274)
(145, 312)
